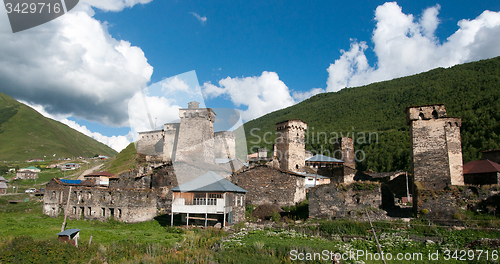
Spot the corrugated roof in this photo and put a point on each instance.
(100, 173)
(481, 166)
(322, 158)
(3, 185)
(208, 182)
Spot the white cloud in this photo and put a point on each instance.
(117, 143)
(202, 20)
(73, 66)
(259, 94)
(404, 46)
(113, 5)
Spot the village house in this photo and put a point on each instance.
(207, 200)
(99, 178)
(481, 172)
(69, 166)
(268, 185)
(31, 169)
(27, 174)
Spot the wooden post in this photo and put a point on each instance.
(90, 240)
(375, 235)
(172, 211)
(206, 208)
(67, 209)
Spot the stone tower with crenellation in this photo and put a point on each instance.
(196, 134)
(290, 145)
(435, 147)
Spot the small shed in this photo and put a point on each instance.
(70, 235)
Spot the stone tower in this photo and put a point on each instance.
(290, 145)
(436, 147)
(196, 134)
(225, 145)
(170, 138)
(346, 147)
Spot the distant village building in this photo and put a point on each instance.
(207, 200)
(69, 166)
(31, 168)
(268, 185)
(313, 180)
(26, 175)
(482, 172)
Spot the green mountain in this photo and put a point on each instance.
(470, 91)
(26, 134)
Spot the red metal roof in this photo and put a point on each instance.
(100, 173)
(481, 166)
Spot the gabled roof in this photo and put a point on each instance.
(3, 185)
(2, 178)
(100, 173)
(322, 158)
(481, 166)
(208, 182)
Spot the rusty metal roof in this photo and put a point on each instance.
(481, 166)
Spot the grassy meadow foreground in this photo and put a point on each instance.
(28, 236)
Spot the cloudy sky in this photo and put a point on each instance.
(103, 66)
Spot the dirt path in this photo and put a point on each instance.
(81, 177)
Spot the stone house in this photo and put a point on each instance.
(268, 185)
(482, 172)
(209, 199)
(88, 201)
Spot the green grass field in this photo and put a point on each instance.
(28, 236)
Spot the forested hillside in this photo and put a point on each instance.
(470, 91)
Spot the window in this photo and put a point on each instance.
(215, 195)
(103, 210)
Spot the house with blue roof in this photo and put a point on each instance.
(207, 200)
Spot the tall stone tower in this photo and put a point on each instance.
(436, 147)
(196, 134)
(170, 138)
(346, 147)
(290, 145)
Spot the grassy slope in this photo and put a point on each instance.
(469, 91)
(27, 134)
(124, 161)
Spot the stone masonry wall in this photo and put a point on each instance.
(343, 201)
(94, 203)
(150, 143)
(171, 136)
(224, 144)
(266, 185)
(196, 136)
(290, 145)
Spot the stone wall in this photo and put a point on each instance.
(266, 185)
(346, 147)
(436, 147)
(447, 204)
(130, 180)
(224, 144)
(171, 136)
(99, 203)
(290, 145)
(334, 201)
(150, 143)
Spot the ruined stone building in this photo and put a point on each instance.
(435, 147)
(88, 201)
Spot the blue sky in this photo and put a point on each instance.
(85, 67)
